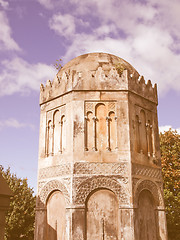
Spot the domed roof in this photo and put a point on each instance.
(92, 61)
(97, 72)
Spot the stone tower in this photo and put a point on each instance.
(99, 174)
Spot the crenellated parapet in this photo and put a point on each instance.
(109, 73)
(142, 88)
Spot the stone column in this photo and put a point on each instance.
(85, 133)
(108, 133)
(94, 132)
(60, 147)
(116, 129)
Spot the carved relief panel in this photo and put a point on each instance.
(100, 126)
(55, 140)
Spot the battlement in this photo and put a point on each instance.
(97, 80)
(140, 87)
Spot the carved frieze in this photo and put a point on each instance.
(100, 168)
(146, 171)
(55, 171)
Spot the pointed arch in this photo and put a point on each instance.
(89, 130)
(101, 129)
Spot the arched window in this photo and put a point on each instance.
(102, 216)
(101, 129)
(57, 130)
(143, 135)
(56, 216)
(89, 131)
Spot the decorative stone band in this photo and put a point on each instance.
(127, 81)
(60, 170)
(146, 171)
(101, 168)
(84, 168)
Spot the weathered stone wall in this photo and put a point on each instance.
(99, 154)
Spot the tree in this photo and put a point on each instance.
(170, 158)
(21, 214)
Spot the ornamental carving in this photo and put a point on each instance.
(152, 187)
(52, 186)
(101, 168)
(40, 185)
(55, 171)
(91, 184)
(147, 171)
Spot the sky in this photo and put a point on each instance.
(35, 33)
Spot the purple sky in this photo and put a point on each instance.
(34, 33)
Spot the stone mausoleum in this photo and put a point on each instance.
(99, 170)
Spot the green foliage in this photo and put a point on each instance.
(170, 157)
(120, 68)
(21, 214)
(58, 64)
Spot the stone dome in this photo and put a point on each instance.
(97, 72)
(92, 61)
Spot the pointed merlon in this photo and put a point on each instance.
(42, 87)
(149, 84)
(141, 80)
(48, 83)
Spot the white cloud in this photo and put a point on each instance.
(52, 4)
(6, 41)
(46, 3)
(4, 4)
(14, 123)
(63, 25)
(144, 33)
(167, 127)
(19, 76)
